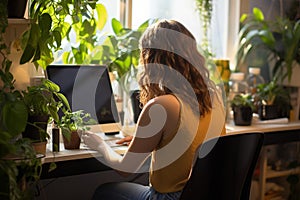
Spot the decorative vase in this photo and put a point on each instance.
(242, 115)
(74, 142)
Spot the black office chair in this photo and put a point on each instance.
(225, 173)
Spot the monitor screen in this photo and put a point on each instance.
(88, 88)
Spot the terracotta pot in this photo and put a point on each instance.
(39, 147)
(74, 142)
(242, 115)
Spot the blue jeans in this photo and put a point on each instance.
(131, 191)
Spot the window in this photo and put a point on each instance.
(224, 24)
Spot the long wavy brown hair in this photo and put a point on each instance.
(172, 64)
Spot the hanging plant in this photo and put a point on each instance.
(205, 8)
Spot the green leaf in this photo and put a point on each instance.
(258, 14)
(37, 54)
(64, 100)
(45, 23)
(51, 86)
(28, 53)
(243, 18)
(267, 37)
(65, 57)
(143, 26)
(15, 112)
(52, 166)
(57, 37)
(34, 35)
(117, 26)
(102, 16)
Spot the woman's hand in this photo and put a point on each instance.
(92, 140)
(126, 140)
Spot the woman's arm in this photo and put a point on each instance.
(158, 117)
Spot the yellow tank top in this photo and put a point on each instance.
(172, 161)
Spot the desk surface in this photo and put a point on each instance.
(285, 129)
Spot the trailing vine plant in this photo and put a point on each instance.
(205, 8)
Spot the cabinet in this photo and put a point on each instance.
(275, 134)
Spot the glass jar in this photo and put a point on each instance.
(254, 78)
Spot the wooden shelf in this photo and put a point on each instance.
(18, 21)
(275, 174)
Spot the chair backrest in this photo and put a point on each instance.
(224, 168)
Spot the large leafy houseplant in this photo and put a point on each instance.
(120, 50)
(43, 103)
(15, 176)
(277, 41)
(53, 21)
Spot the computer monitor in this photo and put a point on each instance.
(88, 88)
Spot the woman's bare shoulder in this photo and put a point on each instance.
(169, 103)
(166, 100)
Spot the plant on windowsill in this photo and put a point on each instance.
(274, 100)
(242, 106)
(276, 41)
(72, 124)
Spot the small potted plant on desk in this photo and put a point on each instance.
(242, 106)
(43, 102)
(72, 124)
(274, 101)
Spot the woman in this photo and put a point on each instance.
(181, 109)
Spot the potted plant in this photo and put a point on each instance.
(72, 124)
(242, 106)
(43, 103)
(274, 101)
(276, 41)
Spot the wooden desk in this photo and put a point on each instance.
(275, 133)
(74, 162)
